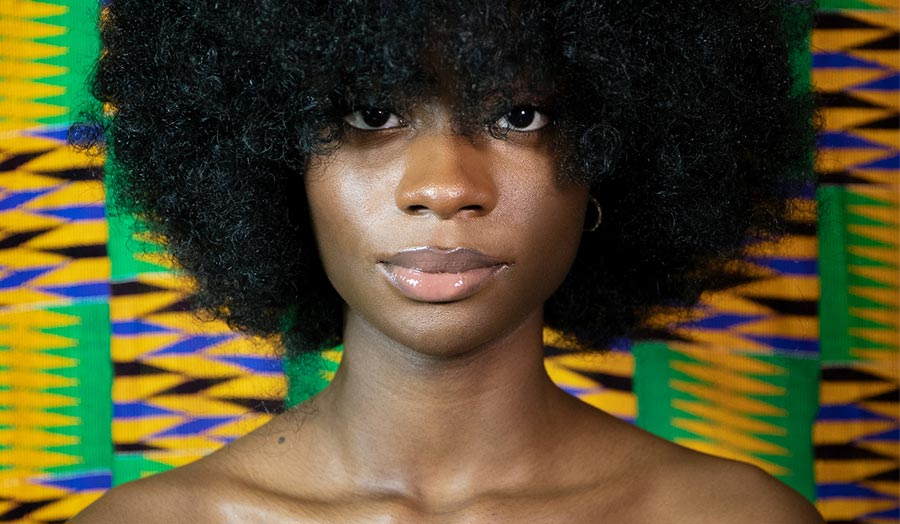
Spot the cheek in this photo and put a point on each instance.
(333, 208)
(549, 214)
(346, 208)
(552, 235)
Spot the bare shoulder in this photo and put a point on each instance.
(154, 500)
(230, 485)
(705, 489)
(650, 479)
(178, 495)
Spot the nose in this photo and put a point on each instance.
(446, 175)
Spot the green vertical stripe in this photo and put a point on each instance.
(82, 44)
(92, 392)
(834, 318)
(133, 466)
(835, 5)
(798, 404)
(124, 248)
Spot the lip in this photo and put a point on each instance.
(440, 275)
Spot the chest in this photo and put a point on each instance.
(590, 507)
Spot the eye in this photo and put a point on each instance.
(523, 118)
(373, 119)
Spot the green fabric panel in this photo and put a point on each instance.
(857, 260)
(93, 390)
(858, 322)
(857, 199)
(651, 377)
(863, 241)
(665, 409)
(856, 301)
(306, 376)
(124, 245)
(123, 248)
(866, 343)
(82, 49)
(133, 466)
(800, 57)
(834, 5)
(854, 280)
(834, 318)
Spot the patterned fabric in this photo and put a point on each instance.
(857, 435)
(106, 376)
(55, 373)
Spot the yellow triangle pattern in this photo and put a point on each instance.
(855, 451)
(26, 424)
(215, 387)
(19, 50)
(724, 402)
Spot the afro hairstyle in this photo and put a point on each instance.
(687, 120)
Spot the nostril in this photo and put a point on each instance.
(418, 209)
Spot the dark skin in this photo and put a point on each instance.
(443, 413)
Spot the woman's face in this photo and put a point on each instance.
(443, 242)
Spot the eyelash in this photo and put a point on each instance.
(400, 121)
(493, 128)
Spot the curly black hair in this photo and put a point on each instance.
(686, 119)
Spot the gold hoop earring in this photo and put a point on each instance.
(596, 222)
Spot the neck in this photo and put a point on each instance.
(442, 428)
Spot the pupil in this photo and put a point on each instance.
(374, 117)
(521, 117)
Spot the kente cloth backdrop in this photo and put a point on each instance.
(105, 376)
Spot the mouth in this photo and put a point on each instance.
(440, 275)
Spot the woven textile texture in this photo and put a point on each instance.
(105, 375)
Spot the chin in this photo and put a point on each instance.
(454, 329)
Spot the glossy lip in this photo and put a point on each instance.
(439, 260)
(437, 275)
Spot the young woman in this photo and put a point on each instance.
(432, 183)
